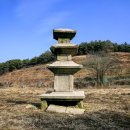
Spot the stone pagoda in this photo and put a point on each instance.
(64, 69)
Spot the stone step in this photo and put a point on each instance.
(63, 109)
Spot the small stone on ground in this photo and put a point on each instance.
(29, 106)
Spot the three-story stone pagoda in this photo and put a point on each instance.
(64, 69)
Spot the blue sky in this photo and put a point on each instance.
(26, 25)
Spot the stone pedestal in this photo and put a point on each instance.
(64, 69)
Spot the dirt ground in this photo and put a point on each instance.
(106, 109)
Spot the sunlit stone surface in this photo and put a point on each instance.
(64, 68)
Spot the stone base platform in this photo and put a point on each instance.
(74, 98)
(74, 95)
(63, 109)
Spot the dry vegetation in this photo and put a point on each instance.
(106, 109)
(37, 76)
(40, 76)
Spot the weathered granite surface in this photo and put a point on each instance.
(64, 68)
(77, 95)
(63, 109)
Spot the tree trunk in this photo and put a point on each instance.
(100, 78)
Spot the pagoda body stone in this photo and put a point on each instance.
(64, 68)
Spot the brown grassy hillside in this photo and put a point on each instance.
(40, 76)
(105, 108)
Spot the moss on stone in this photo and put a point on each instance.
(44, 104)
(80, 104)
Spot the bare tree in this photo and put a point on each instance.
(101, 64)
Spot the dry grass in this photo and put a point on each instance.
(105, 109)
(40, 76)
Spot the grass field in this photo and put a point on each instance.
(106, 109)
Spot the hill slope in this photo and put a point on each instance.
(40, 76)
